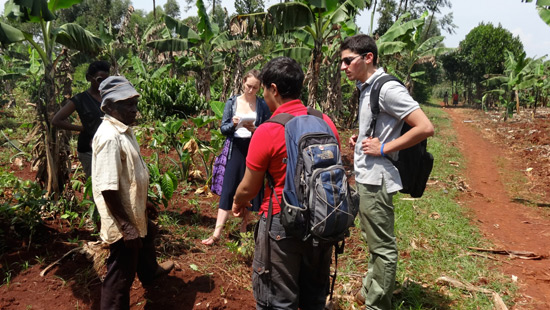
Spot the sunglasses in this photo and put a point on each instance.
(99, 79)
(348, 60)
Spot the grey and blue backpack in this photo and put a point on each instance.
(317, 202)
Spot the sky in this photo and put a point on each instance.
(521, 19)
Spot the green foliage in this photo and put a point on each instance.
(543, 8)
(249, 6)
(192, 150)
(91, 214)
(244, 247)
(409, 39)
(163, 98)
(21, 206)
(491, 42)
(161, 184)
(172, 8)
(90, 14)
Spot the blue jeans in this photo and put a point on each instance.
(299, 275)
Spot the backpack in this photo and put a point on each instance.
(414, 163)
(317, 202)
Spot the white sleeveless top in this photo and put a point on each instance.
(240, 130)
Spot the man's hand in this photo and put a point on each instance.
(239, 208)
(352, 140)
(371, 146)
(152, 211)
(131, 238)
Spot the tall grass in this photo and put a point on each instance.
(433, 235)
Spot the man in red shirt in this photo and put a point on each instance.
(298, 275)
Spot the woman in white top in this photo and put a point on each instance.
(241, 116)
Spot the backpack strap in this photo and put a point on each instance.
(314, 112)
(375, 97)
(280, 119)
(338, 249)
(284, 118)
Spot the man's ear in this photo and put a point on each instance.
(369, 57)
(274, 89)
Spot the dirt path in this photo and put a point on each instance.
(507, 224)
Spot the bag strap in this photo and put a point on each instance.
(283, 118)
(271, 184)
(338, 249)
(374, 100)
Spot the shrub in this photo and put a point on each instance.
(162, 98)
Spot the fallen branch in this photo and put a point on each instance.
(499, 303)
(497, 300)
(488, 257)
(465, 286)
(50, 266)
(512, 254)
(94, 251)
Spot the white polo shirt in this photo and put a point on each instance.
(117, 165)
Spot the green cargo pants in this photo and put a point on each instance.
(376, 212)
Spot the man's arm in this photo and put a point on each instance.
(129, 232)
(249, 187)
(421, 128)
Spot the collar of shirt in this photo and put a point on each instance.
(120, 126)
(291, 107)
(370, 80)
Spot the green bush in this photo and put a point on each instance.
(21, 207)
(162, 98)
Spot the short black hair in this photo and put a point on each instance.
(286, 73)
(361, 44)
(97, 66)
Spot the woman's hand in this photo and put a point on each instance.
(250, 126)
(236, 120)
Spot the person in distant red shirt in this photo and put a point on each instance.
(455, 99)
(299, 272)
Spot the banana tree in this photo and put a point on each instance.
(543, 7)
(14, 65)
(539, 81)
(406, 39)
(520, 74)
(315, 24)
(203, 49)
(72, 36)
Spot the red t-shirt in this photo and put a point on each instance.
(268, 149)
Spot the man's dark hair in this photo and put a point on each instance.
(361, 44)
(97, 66)
(286, 73)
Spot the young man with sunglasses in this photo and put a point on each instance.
(376, 177)
(86, 104)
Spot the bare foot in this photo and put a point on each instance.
(210, 240)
